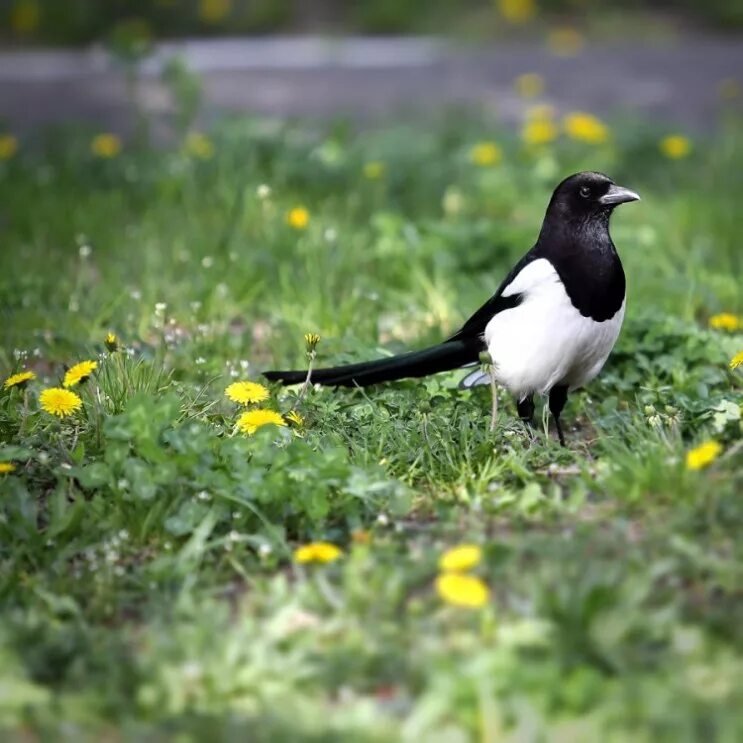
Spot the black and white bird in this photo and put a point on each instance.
(549, 327)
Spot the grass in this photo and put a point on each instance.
(147, 584)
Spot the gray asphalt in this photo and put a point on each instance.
(374, 79)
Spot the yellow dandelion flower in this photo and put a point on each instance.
(466, 591)
(6, 468)
(105, 146)
(58, 401)
(585, 127)
(725, 321)
(298, 218)
(251, 421)
(529, 85)
(517, 11)
(310, 341)
(295, 418)
(79, 373)
(374, 170)
(702, 455)
(25, 16)
(246, 392)
(111, 342)
(322, 552)
(213, 11)
(737, 360)
(565, 42)
(19, 380)
(460, 558)
(8, 146)
(485, 154)
(539, 131)
(675, 147)
(198, 145)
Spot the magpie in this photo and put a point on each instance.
(549, 327)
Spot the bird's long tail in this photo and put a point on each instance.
(445, 356)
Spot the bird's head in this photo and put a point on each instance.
(586, 196)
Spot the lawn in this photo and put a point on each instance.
(160, 573)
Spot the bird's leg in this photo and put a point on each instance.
(525, 409)
(558, 398)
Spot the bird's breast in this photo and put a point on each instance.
(546, 340)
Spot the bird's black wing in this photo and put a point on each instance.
(475, 326)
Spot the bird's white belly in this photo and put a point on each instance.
(544, 340)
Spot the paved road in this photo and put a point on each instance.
(675, 82)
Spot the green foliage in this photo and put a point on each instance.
(147, 579)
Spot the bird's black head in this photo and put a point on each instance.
(587, 196)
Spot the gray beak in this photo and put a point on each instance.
(618, 195)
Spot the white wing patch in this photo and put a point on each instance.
(544, 340)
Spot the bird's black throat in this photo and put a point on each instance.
(584, 256)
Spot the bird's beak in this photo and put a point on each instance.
(618, 195)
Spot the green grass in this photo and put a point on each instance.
(147, 586)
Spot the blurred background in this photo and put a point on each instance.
(85, 21)
(83, 60)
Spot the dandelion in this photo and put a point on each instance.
(298, 218)
(465, 591)
(25, 16)
(8, 146)
(737, 360)
(111, 342)
(19, 380)
(702, 455)
(79, 373)
(295, 418)
(263, 191)
(245, 393)
(539, 131)
(517, 11)
(585, 127)
(105, 146)
(374, 170)
(310, 341)
(248, 423)
(725, 321)
(199, 145)
(565, 42)
(529, 85)
(460, 558)
(322, 552)
(485, 154)
(60, 402)
(6, 468)
(675, 147)
(213, 11)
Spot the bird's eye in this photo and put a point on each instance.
(585, 191)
